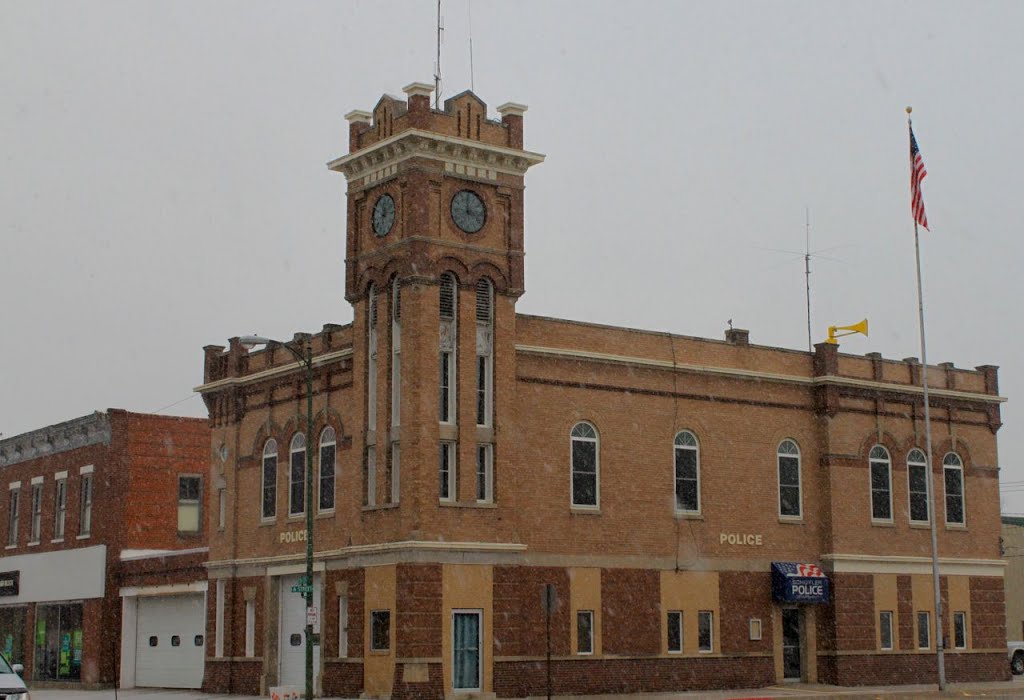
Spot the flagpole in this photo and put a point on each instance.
(939, 651)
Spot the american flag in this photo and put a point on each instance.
(791, 569)
(917, 173)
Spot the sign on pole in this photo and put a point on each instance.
(313, 616)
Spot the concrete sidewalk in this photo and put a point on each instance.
(1008, 689)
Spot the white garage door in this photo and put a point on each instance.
(171, 642)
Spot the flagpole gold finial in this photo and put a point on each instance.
(909, 109)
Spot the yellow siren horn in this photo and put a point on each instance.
(861, 328)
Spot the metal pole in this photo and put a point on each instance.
(931, 480)
(933, 515)
(308, 362)
(547, 606)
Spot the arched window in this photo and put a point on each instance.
(484, 351)
(297, 476)
(446, 351)
(881, 483)
(269, 509)
(953, 473)
(687, 472)
(371, 365)
(585, 465)
(917, 486)
(328, 453)
(788, 456)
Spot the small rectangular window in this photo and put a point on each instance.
(483, 390)
(189, 488)
(380, 630)
(85, 506)
(484, 473)
(755, 629)
(705, 631)
(37, 512)
(250, 628)
(12, 517)
(885, 629)
(297, 481)
(343, 626)
(960, 630)
(370, 497)
(396, 471)
(674, 625)
(585, 632)
(447, 383)
(924, 630)
(446, 471)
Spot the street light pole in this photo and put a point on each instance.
(306, 361)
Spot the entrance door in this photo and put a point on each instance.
(791, 644)
(466, 650)
(292, 649)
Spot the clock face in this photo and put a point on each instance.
(468, 211)
(383, 215)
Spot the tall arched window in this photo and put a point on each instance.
(788, 456)
(371, 364)
(585, 465)
(269, 509)
(484, 352)
(953, 473)
(297, 476)
(881, 483)
(328, 454)
(446, 351)
(917, 486)
(687, 472)
(394, 464)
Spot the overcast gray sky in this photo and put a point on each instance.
(162, 179)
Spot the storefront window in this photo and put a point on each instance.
(58, 642)
(12, 633)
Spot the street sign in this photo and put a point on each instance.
(312, 616)
(302, 588)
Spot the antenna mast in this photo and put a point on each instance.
(437, 65)
(469, 9)
(807, 272)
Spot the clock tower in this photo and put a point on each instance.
(434, 265)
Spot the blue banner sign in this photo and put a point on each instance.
(798, 583)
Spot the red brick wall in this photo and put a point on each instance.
(519, 620)
(630, 611)
(988, 616)
(432, 689)
(853, 604)
(899, 669)
(743, 595)
(418, 611)
(517, 679)
(329, 627)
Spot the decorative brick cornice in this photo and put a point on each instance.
(93, 429)
(371, 164)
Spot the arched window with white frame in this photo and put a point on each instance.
(953, 478)
(917, 486)
(297, 475)
(788, 459)
(448, 342)
(394, 463)
(328, 468)
(687, 472)
(585, 456)
(371, 359)
(268, 510)
(880, 467)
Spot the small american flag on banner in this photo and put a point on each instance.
(802, 570)
(917, 173)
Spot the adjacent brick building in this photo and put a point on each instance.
(104, 525)
(707, 513)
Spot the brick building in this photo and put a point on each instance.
(104, 550)
(708, 513)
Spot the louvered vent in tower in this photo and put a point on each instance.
(483, 301)
(396, 300)
(373, 307)
(447, 297)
